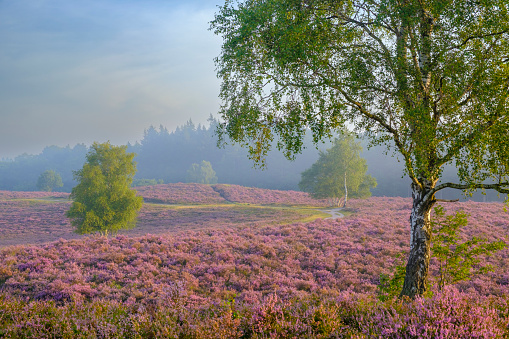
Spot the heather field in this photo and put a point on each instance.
(181, 194)
(39, 217)
(259, 196)
(222, 194)
(243, 271)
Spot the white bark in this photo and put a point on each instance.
(346, 192)
(417, 268)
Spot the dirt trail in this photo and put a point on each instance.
(335, 214)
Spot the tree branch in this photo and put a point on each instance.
(415, 59)
(357, 105)
(502, 187)
(447, 200)
(480, 36)
(364, 26)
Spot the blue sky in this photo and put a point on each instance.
(78, 71)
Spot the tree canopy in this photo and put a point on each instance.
(339, 173)
(103, 198)
(49, 180)
(427, 78)
(202, 173)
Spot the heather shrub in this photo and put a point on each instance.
(448, 314)
(25, 221)
(251, 195)
(391, 284)
(15, 195)
(180, 193)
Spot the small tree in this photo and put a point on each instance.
(338, 172)
(103, 199)
(202, 173)
(458, 261)
(391, 284)
(49, 180)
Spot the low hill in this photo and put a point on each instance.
(189, 193)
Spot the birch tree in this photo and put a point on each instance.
(339, 173)
(103, 200)
(427, 78)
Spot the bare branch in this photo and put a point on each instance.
(447, 200)
(502, 187)
(472, 37)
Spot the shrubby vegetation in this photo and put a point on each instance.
(448, 314)
(251, 195)
(146, 182)
(49, 180)
(201, 173)
(180, 193)
(457, 260)
(39, 217)
(191, 193)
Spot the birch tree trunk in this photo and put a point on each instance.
(346, 192)
(417, 268)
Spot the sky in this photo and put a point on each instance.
(79, 71)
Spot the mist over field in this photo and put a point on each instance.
(72, 73)
(166, 156)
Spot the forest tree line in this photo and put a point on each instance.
(165, 156)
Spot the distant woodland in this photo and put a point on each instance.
(164, 156)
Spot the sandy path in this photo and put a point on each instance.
(335, 214)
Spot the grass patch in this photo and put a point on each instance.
(348, 213)
(40, 201)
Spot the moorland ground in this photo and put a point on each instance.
(234, 262)
(38, 217)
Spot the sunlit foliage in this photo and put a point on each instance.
(103, 199)
(459, 260)
(339, 173)
(426, 78)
